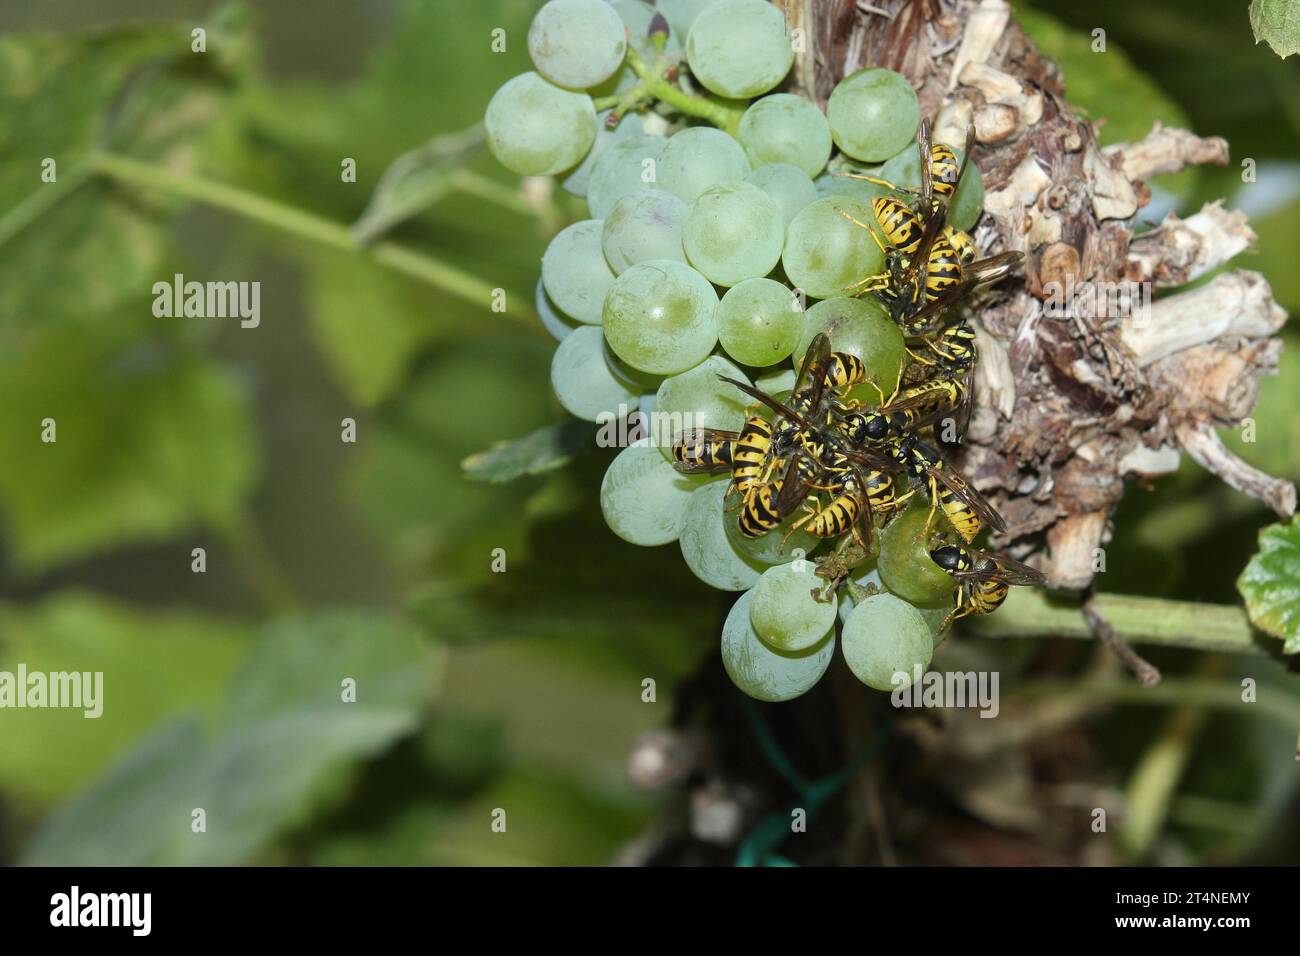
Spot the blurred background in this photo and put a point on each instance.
(372, 560)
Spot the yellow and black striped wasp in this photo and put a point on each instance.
(772, 464)
(983, 580)
(965, 508)
(926, 273)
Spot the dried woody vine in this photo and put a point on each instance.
(1067, 409)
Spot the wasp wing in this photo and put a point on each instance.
(812, 373)
(960, 487)
(997, 567)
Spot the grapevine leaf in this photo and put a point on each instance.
(287, 733)
(153, 663)
(1277, 22)
(544, 450)
(146, 441)
(1271, 584)
(75, 248)
(415, 180)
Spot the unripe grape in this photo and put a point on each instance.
(885, 637)
(873, 113)
(699, 157)
(759, 322)
(643, 226)
(660, 317)
(733, 232)
(784, 613)
(575, 273)
(628, 165)
(783, 128)
(535, 128)
(863, 328)
(739, 48)
(577, 43)
(764, 673)
(905, 564)
(826, 253)
(643, 498)
(788, 185)
(708, 551)
(583, 381)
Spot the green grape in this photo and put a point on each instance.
(644, 499)
(682, 13)
(905, 565)
(863, 328)
(777, 382)
(883, 637)
(705, 545)
(782, 128)
(575, 273)
(831, 184)
(825, 253)
(577, 43)
(967, 203)
(554, 321)
(582, 380)
(660, 317)
(575, 182)
(627, 166)
(697, 398)
(759, 322)
(767, 549)
(643, 226)
(788, 185)
(764, 673)
(699, 157)
(733, 232)
(784, 613)
(535, 128)
(739, 48)
(873, 114)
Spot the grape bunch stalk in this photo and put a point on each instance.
(771, 292)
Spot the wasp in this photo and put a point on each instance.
(964, 507)
(983, 580)
(928, 265)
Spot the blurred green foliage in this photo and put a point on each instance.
(372, 561)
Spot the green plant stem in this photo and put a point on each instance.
(306, 225)
(40, 202)
(1141, 620)
(241, 536)
(654, 84)
(1171, 692)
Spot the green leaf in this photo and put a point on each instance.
(544, 450)
(369, 349)
(1106, 84)
(285, 735)
(149, 441)
(74, 249)
(153, 664)
(1271, 584)
(416, 180)
(1277, 22)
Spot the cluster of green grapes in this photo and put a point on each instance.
(722, 252)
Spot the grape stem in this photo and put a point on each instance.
(306, 225)
(1142, 620)
(654, 84)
